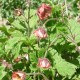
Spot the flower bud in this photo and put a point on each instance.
(44, 63)
(40, 33)
(18, 12)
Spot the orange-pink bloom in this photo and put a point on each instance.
(44, 63)
(44, 11)
(40, 33)
(19, 75)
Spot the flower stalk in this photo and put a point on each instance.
(29, 4)
(45, 78)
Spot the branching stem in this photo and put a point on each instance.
(49, 20)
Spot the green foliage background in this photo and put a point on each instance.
(62, 44)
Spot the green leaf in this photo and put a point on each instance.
(2, 68)
(2, 52)
(16, 49)
(41, 52)
(75, 29)
(33, 19)
(78, 58)
(29, 78)
(25, 49)
(5, 29)
(33, 67)
(32, 12)
(33, 57)
(63, 67)
(12, 41)
(32, 39)
(61, 28)
(18, 25)
(2, 72)
(16, 33)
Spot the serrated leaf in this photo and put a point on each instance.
(63, 67)
(75, 29)
(12, 41)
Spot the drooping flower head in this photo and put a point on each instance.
(44, 11)
(19, 75)
(43, 63)
(41, 33)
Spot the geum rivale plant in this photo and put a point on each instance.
(40, 44)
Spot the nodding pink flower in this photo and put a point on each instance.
(40, 33)
(19, 75)
(44, 11)
(44, 63)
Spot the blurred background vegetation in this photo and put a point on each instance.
(7, 7)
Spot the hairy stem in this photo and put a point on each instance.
(49, 20)
(45, 78)
(54, 40)
(66, 8)
(29, 19)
